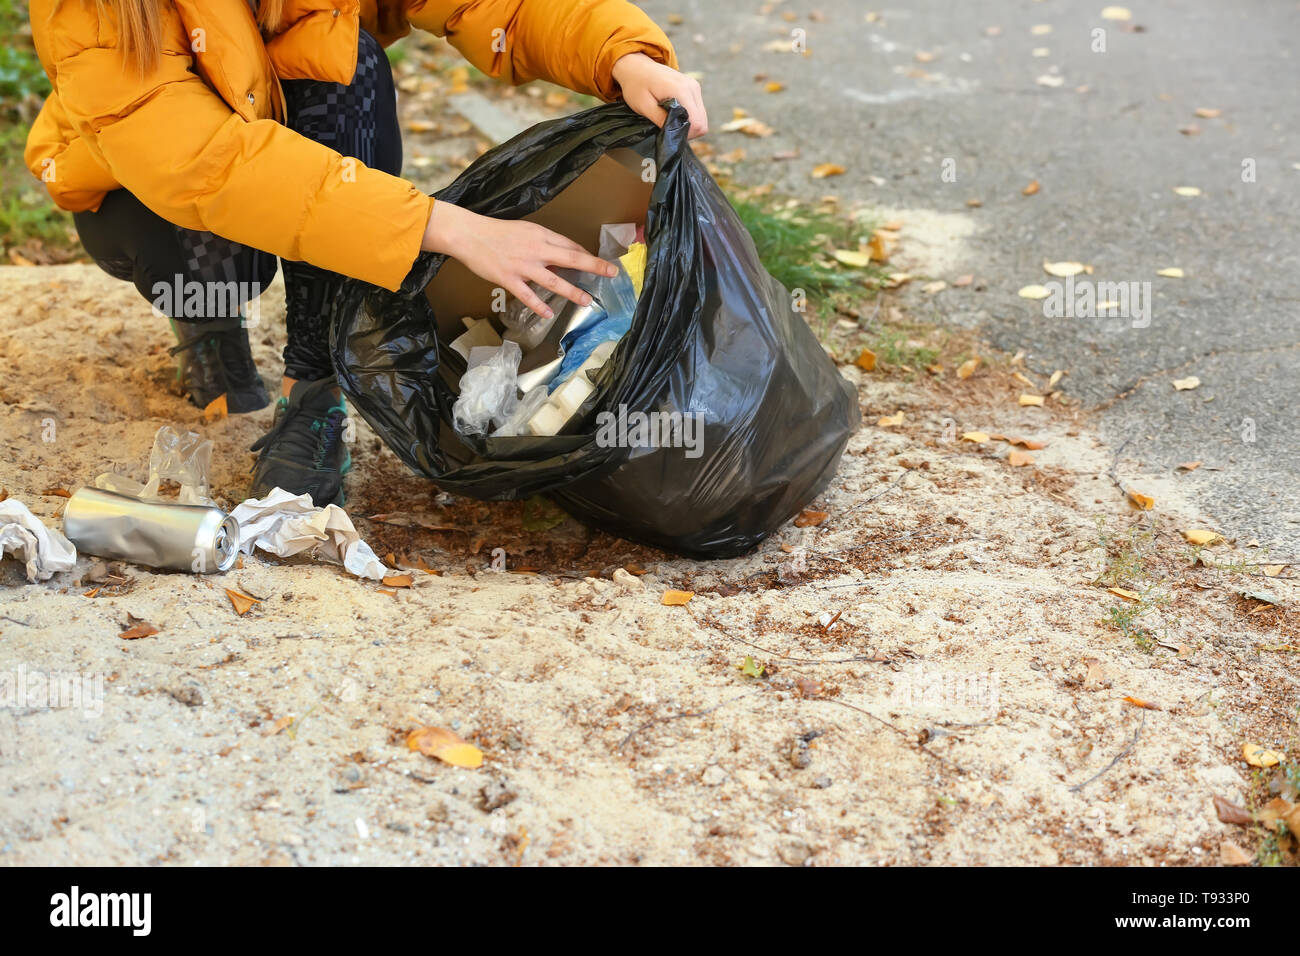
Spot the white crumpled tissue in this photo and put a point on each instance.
(45, 551)
(285, 524)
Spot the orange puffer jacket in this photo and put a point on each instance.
(200, 140)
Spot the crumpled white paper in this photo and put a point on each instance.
(285, 524)
(44, 550)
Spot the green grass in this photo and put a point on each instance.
(795, 244)
(26, 212)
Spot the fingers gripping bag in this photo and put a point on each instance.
(718, 415)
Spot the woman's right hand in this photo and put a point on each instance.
(511, 253)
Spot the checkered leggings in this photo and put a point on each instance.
(130, 242)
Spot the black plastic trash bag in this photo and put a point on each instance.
(715, 338)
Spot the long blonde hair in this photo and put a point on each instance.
(139, 27)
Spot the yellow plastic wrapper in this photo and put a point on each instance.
(634, 262)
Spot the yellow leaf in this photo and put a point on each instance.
(143, 629)
(673, 598)
(1143, 501)
(1041, 29)
(822, 170)
(977, 437)
(852, 258)
(1186, 384)
(1034, 292)
(1116, 13)
(1173, 272)
(1034, 400)
(1187, 190)
(878, 247)
(1056, 377)
(397, 581)
(1063, 270)
(240, 602)
(446, 746)
(1126, 594)
(1032, 188)
(1139, 702)
(1257, 756)
(809, 518)
(216, 409)
(1205, 112)
(1273, 570)
(421, 126)
(890, 421)
(967, 368)
(774, 87)
(1018, 459)
(866, 360)
(1188, 466)
(1201, 536)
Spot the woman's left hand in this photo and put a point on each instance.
(645, 82)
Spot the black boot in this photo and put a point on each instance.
(304, 452)
(215, 360)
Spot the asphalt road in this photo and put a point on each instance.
(1107, 160)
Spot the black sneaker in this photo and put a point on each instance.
(215, 360)
(304, 451)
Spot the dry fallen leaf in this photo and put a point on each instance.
(891, 421)
(1229, 812)
(1139, 702)
(1116, 13)
(57, 492)
(1201, 536)
(808, 518)
(140, 630)
(852, 258)
(866, 360)
(421, 126)
(1257, 756)
(774, 87)
(1173, 272)
(1273, 570)
(1063, 270)
(1034, 292)
(1186, 384)
(1187, 191)
(397, 581)
(967, 368)
(1188, 465)
(278, 726)
(216, 409)
(962, 281)
(1031, 400)
(1205, 112)
(1018, 459)
(823, 170)
(1143, 501)
(1032, 188)
(1125, 593)
(446, 746)
(1030, 444)
(1232, 855)
(674, 598)
(240, 602)
(976, 437)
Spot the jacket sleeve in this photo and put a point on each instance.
(573, 43)
(181, 150)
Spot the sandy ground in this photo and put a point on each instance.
(956, 710)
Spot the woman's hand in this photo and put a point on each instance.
(511, 253)
(645, 82)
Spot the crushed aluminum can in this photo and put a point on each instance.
(158, 534)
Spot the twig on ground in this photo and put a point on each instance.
(807, 660)
(697, 713)
(895, 482)
(1118, 757)
(896, 729)
(15, 620)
